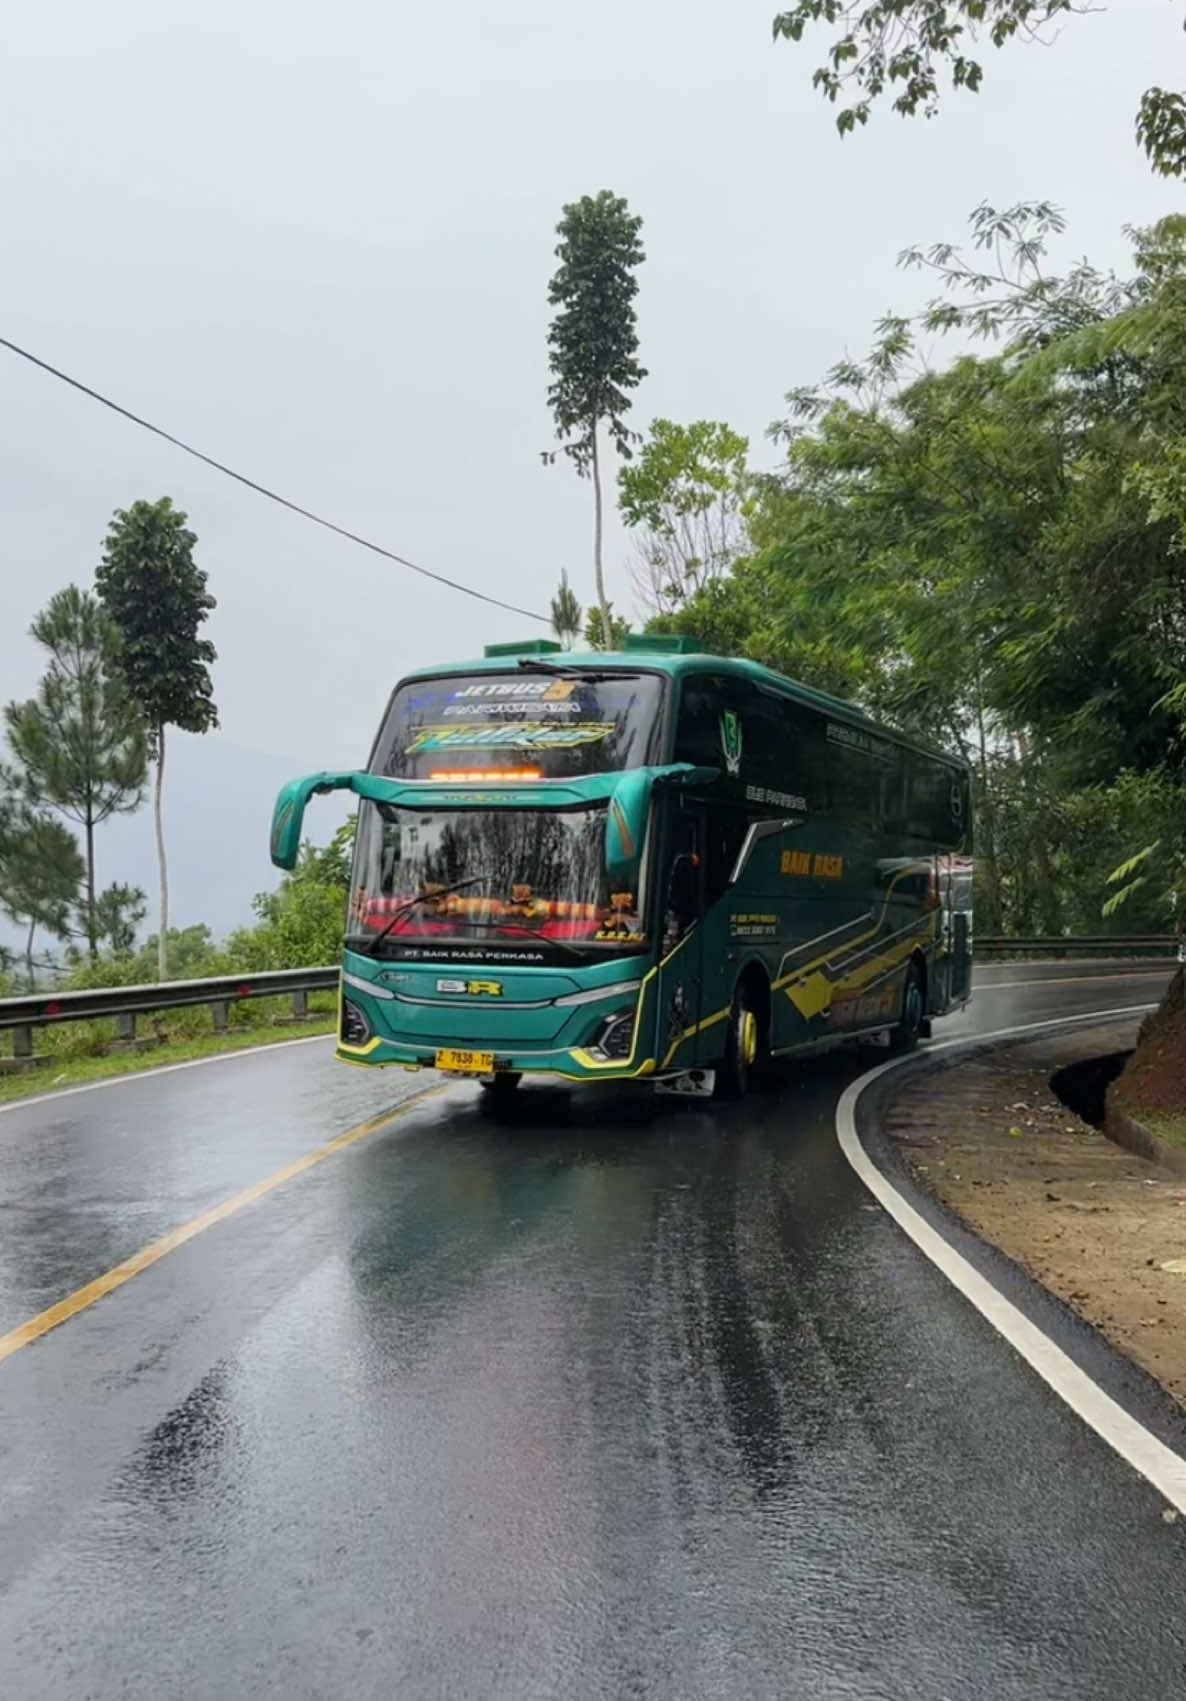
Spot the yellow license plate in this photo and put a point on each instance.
(466, 1062)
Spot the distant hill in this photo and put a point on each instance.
(218, 809)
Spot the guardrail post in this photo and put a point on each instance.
(300, 1005)
(125, 1025)
(22, 1042)
(219, 1012)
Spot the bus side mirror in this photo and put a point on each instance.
(625, 823)
(289, 814)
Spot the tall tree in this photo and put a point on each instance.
(593, 343)
(41, 871)
(685, 496)
(156, 595)
(566, 612)
(81, 740)
(900, 48)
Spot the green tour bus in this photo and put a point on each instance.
(651, 863)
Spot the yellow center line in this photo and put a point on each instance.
(157, 1249)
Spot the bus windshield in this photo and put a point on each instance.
(520, 726)
(486, 878)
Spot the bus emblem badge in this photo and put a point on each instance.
(731, 740)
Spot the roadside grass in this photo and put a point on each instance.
(76, 1051)
(1166, 1127)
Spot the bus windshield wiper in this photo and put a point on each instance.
(530, 664)
(411, 903)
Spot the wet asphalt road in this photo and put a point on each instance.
(622, 1399)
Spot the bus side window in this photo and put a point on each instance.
(783, 748)
(703, 700)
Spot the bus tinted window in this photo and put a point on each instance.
(703, 701)
(523, 725)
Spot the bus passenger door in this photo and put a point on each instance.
(681, 955)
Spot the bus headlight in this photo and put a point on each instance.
(615, 1035)
(355, 1030)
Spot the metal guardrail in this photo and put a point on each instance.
(21, 1016)
(1059, 945)
(125, 1003)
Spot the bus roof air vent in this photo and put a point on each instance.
(529, 647)
(662, 643)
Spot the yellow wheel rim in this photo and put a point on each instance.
(749, 1036)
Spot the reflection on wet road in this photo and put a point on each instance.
(620, 1397)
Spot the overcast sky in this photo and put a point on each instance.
(315, 241)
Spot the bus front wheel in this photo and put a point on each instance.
(500, 1086)
(909, 1029)
(742, 1041)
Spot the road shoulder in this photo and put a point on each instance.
(1096, 1225)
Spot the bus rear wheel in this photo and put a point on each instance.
(742, 1046)
(909, 1029)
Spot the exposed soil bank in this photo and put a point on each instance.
(1096, 1224)
(1151, 1093)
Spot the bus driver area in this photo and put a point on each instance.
(651, 863)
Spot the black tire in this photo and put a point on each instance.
(906, 1035)
(501, 1086)
(742, 1049)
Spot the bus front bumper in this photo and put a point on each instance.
(577, 1065)
(555, 1026)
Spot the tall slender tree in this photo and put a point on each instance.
(156, 595)
(593, 343)
(566, 612)
(80, 740)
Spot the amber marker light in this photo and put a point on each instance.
(483, 776)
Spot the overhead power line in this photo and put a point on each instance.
(272, 495)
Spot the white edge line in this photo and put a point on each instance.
(1071, 980)
(1156, 1462)
(151, 1072)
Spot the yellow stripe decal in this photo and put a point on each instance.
(158, 1249)
(803, 969)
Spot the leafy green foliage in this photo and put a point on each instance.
(41, 871)
(685, 496)
(594, 628)
(1153, 877)
(593, 341)
(992, 555)
(80, 742)
(119, 910)
(898, 49)
(302, 922)
(156, 597)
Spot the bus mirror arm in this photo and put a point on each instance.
(626, 816)
(289, 814)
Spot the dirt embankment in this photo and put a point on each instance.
(1102, 1228)
(1152, 1089)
